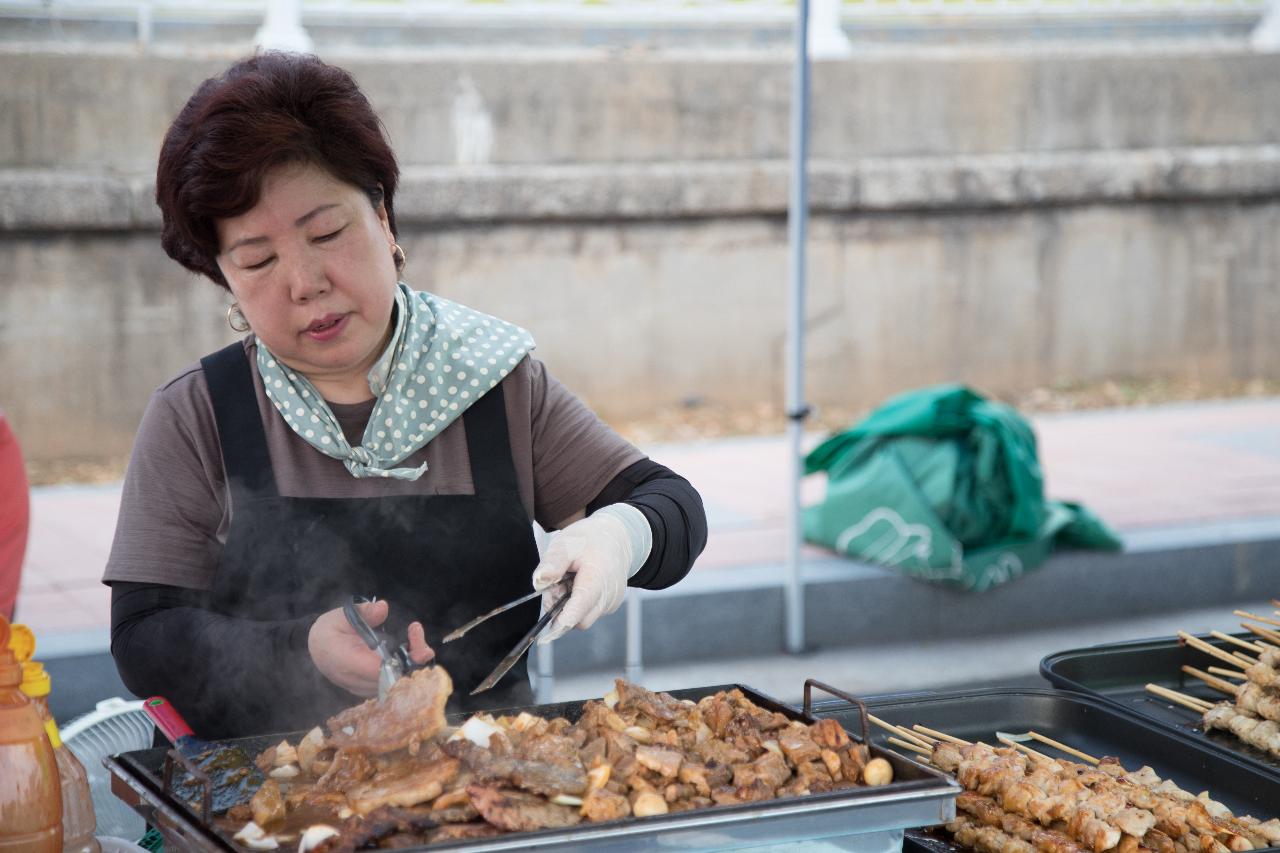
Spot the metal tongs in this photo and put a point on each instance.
(395, 661)
(565, 584)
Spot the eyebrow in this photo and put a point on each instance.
(298, 223)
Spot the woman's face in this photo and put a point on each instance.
(311, 267)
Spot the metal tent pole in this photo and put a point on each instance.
(797, 228)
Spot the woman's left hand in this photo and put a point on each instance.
(342, 656)
(602, 552)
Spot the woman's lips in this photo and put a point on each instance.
(327, 328)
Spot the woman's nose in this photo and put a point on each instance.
(307, 279)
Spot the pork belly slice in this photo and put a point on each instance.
(406, 783)
(412, 712)
(663, 761)
(540, 777)
(660, 707)
(797, 745)
(516, 811)
(348, 767)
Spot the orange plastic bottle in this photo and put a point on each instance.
(78, 820)
(30, 791)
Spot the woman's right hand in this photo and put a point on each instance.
(342, 656)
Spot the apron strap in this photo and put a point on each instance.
(244, 442)
(240, 432)
(489, 444)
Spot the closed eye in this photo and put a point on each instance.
(260, 264)
(324, 238)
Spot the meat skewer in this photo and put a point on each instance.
(1059, 806)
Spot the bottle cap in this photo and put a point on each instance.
(22, 641)
(10, 669)
(35, 681)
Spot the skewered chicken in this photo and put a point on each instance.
(1258, 733)
(1262, 701)
(1012, 802)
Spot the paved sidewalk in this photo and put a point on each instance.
(1212, 468)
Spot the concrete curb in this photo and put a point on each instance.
(738, 613)
(47, 200)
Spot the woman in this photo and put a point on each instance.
(364, 439)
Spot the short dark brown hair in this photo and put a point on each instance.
(266, 111)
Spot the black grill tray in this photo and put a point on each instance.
(145, 769)
(1119, 673)
(1087, 723)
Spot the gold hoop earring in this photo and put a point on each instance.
(397, 255)
(235, 319)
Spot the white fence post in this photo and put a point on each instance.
(145, 28)
(282, 28)
(1266, 35)
(826, 37)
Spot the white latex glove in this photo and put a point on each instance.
(602, 552)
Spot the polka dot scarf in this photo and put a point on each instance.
(442, 358)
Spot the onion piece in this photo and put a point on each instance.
(309, 748)
(566, 800)
(285, 754)
(255, 837)
(479, 729)
(314, 835)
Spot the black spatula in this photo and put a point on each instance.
(234, 776)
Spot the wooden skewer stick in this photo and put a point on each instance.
(1253, 647)
(941, 735)
(1197, 643)
(1197, 705)
(1265, 633)
(1084, 756)
(913, 747)
(1214, 682)
(899, 731)
(1229, 673)
(1038, 756)
(1248, 661)
(925, 739)
(1247, 615)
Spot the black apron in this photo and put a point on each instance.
(438, 559)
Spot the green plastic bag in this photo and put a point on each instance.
(944, 485)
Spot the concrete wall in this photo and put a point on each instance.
(1008, 218)
(108, 110)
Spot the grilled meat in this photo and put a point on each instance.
(516, 811)
(412, 712)
(1258, 733)
(406, 783)
(392, 775)
(603, 804)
